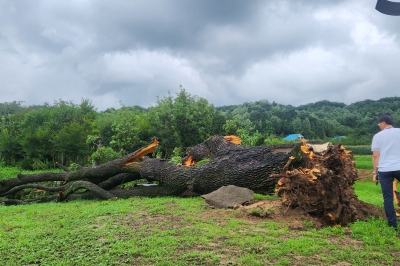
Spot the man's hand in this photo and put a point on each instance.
(375, 179)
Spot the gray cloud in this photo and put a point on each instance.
(229, 52)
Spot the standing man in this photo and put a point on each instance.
(386, 159)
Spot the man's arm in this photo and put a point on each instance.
(375, 160)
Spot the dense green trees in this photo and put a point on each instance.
(10, 124)
(49, 134)
(39, 136)
(318, 121)
(183, 121)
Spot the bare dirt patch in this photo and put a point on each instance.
(364, 175)
(274, 210)
(296, 218)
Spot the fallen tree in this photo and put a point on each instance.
(230, 164)
(317, 181)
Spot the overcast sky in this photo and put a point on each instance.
(227, 51)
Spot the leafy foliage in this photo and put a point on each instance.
(177, 156)
(104, 154)
(34, 137)
(131, 130)
(183, 121)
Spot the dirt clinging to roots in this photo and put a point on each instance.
(323, 187)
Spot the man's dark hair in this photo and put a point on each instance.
(386, 117)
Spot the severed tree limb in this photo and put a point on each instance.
(74, 186)
(62, 167)
(108, 174)
(21, 179)
(119, 179)
(9, 202)
(126, 164)
(37, 186)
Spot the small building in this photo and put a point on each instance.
(294, 137)
(338, 137)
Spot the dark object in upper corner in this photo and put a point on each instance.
(388, 8)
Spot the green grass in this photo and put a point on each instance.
(369, 192)
(178, 231)
(184, 231)
(363, 161)
(11, 172)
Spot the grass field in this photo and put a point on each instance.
(184, 231)
(363, 161)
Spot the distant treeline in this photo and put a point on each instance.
(35, 137)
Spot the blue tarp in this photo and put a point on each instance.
(338, 137)
(293, 136)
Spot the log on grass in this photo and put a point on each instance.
(230, 164)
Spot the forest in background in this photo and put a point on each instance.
(36, 137)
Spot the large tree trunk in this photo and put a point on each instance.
(317, 181)
(230, 164)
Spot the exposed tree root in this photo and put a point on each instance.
(324, 188)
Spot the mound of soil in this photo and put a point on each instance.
(296, 217)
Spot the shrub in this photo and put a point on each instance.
(177, 156)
